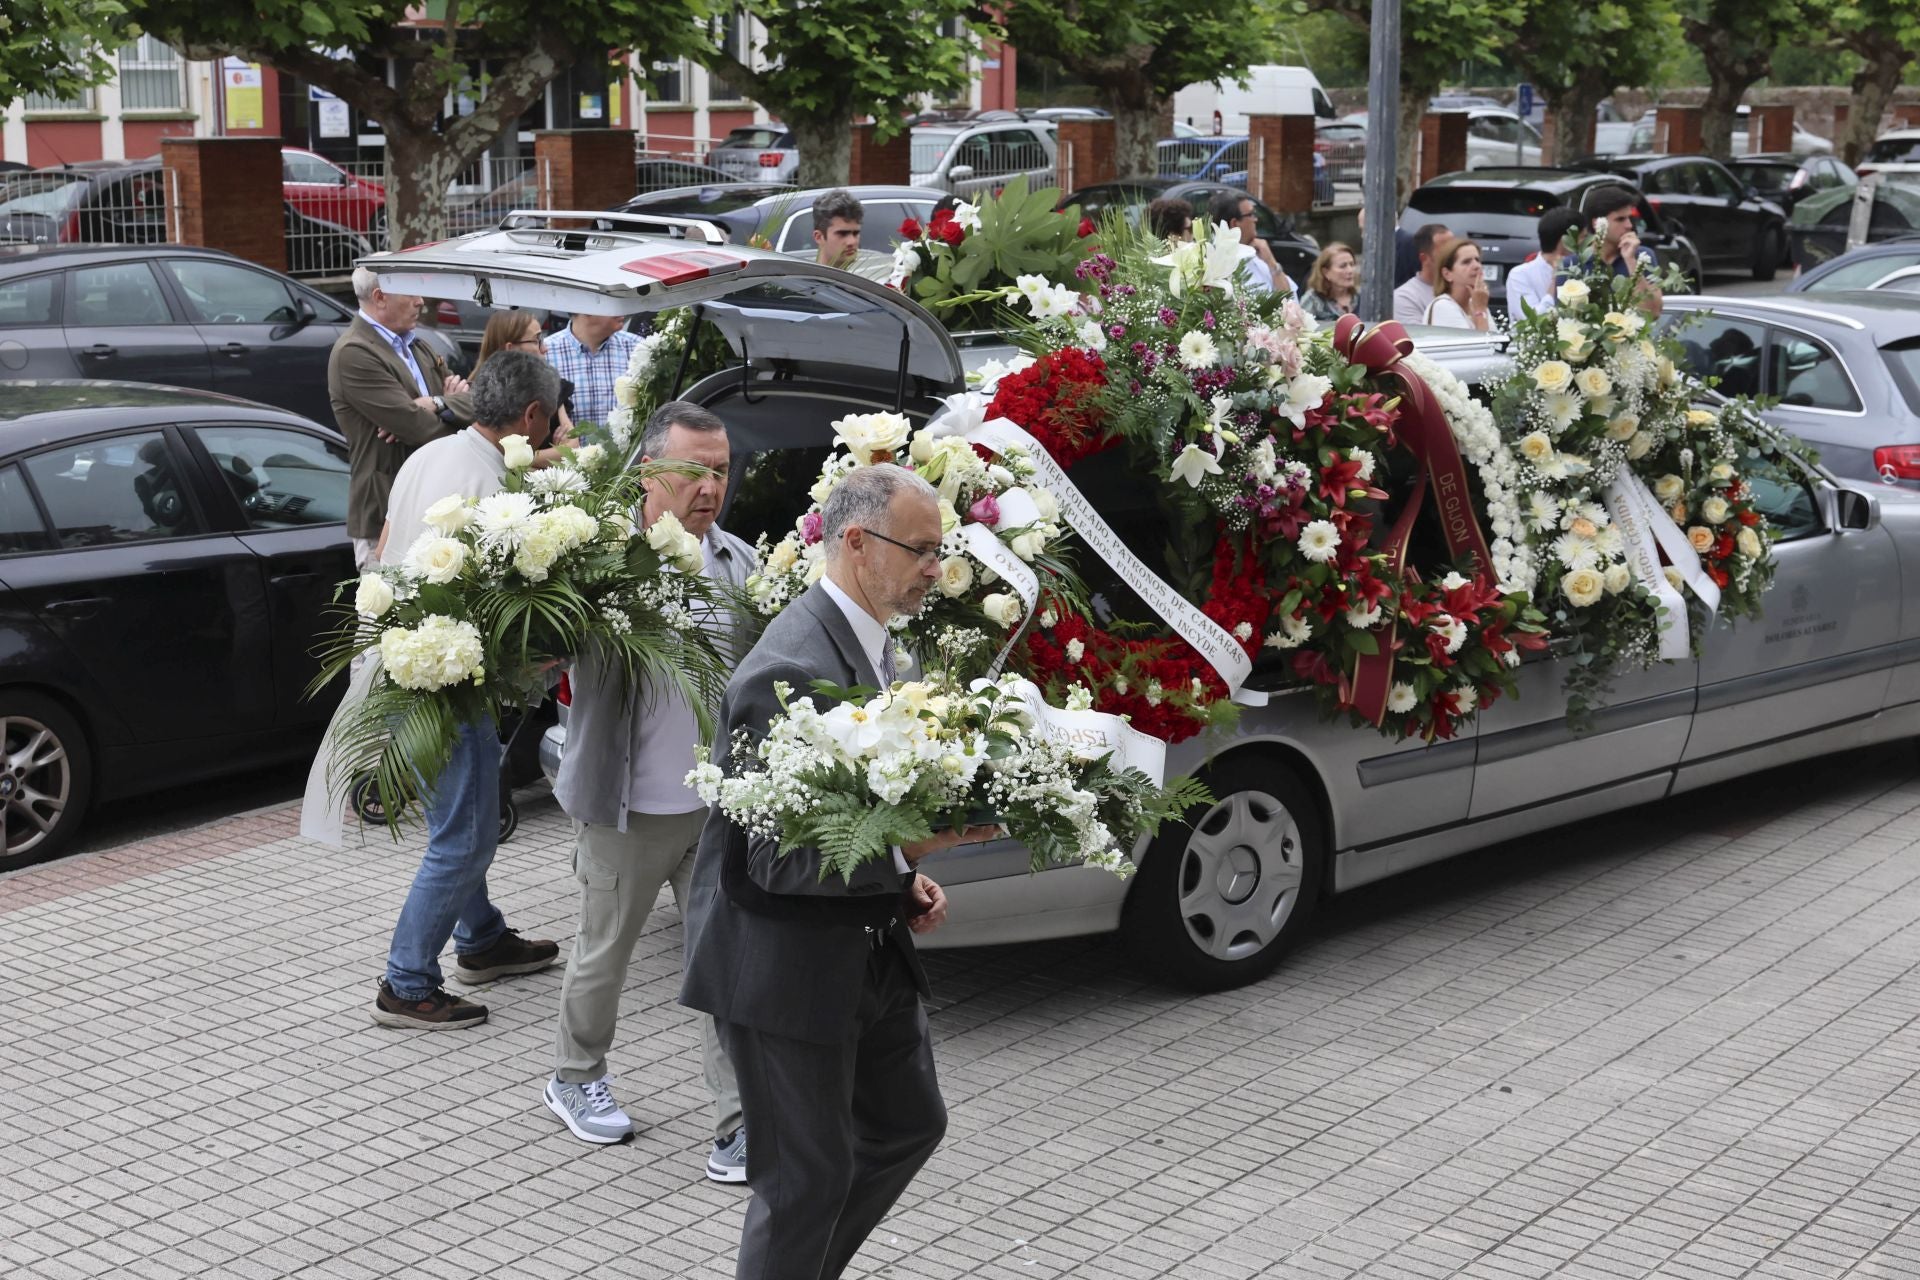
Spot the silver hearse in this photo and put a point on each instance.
(1305, 808)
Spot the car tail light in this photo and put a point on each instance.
(70, 234)
(679, 268)
(770, 159)
(448, 312)
(1897, 462)
(1866, 169)
(563, 692)
(1322, 146)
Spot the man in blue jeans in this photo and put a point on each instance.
(513, 394)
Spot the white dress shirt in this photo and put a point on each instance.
(873, 638)
(1531, 284)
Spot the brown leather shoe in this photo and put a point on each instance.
(437, 1012)
(510, 955)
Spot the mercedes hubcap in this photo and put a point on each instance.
(1240, 875)
(35, 777)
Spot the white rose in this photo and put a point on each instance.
(1721, 473)
(1715, 510)
(1583, 587)
(1075, 651)
(1623, 427)
(1553, 375)
(373, 597)
(1749, 543)
(1639, 446)
(438, 560)
(518, 451)
(449, 515)
(589, 457)
(1617, 579)
(1668, 489)
(872, 437)
(1573, 293)
(1002, 608)
(626, 392)
(1029, 544)
(1593, 383)
(784, 556)
(1536, 447)
(1048, 505)
(956, 576)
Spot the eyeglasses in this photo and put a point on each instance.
(924, 556)
(535, 341)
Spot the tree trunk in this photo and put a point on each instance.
(1136, 130)
(1413, 109)
(1873, 87)
(1573, 112)
(1728, 80)
(826, 147)
(420, 167)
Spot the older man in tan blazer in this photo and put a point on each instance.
(390, 396)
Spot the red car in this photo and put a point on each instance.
(320, 189)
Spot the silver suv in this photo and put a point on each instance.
(757, 153)
(976, 159)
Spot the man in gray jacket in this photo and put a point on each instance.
(637, 823)
(814, 979)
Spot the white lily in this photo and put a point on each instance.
(1195, 463)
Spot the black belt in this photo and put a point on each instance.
(877, 936)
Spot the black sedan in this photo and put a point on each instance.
(1731, 224)
(1787, 178)
(1293, 250)
(172, 314)
(1500, 209)
(166, 559)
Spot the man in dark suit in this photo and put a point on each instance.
(814, 982)
(390, 396)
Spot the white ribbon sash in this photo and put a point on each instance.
(1092, 734)
(1209, 639)
(1648, 532)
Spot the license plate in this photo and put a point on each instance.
(1490, 271)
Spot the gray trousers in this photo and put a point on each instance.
(621, 875)
(839, 1130)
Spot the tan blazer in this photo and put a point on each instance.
(373, 391)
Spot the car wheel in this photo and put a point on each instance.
(1220, 901)
(1767, 254)
(46, 777)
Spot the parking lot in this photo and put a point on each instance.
(1677, 1043)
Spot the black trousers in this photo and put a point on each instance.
(835, 1132)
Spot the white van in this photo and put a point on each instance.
(1221, 108)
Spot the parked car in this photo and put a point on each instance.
(319, 189)
(1823, 225)
(1498, 138)
(1206, 159)
(972, 160)
(1844, 366)
(1646, 138)
(1868, 267)
(756, 153)
(1344, 144)
(1461, 102)
(96, 201)
(1499, 209)
(1731, 225)
(784, 215)
(166, 561)
(1293, 249)
(172, 314)
(1304, 807)
(1894, 155)
(1786, 178)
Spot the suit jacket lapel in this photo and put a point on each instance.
(840, 632)
(371, 336)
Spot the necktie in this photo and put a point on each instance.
(886, 663)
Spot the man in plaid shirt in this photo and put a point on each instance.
(590, 353)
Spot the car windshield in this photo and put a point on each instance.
(1767, 177)
(1510, 202)
(762, 136)
(1903, 363)
(43, 193)
(930, 147)
(1895, 151)
(714, 199)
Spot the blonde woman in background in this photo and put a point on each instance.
(1460, 290)
(1333, 286)
(521, 331)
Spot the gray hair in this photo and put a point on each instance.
(837, 203)
(364, 283)
(683, 413)
(865, 498)
(507, 383)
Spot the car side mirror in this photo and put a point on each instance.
(1854, 510)
(1675, 227)
(303, 315)
(960, 173)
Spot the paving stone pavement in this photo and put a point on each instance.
(1677, 1043)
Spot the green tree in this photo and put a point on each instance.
(1436, 36)
(1736, 40)
(525, 45)
(825, 63)
(1885, 35)
(55, 47)
(1576, 55)
(1138, 52)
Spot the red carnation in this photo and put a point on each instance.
(1086, 227)
(1053, 400)
(910, 229)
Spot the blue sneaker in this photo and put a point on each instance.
(728, 1162)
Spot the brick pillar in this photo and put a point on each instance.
(1443, 144)
(1086, 153)
(1770, 128)
(1676, 130)
(888, 163)
(585, 168)
(1906, 115)
(225, 193)
(1550, 132)
(1280, 161)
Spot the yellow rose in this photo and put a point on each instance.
(1701, 537)
(1698, 418)
(1623, 427)
(1721, 473)
(1536, 448)
(1639, 446)
(1583, 587)
(1573, 293)
(1715, 510)
(1668, 488)
(784, 556)
(1553, 375)
(1749, 543)
(1594, 383)
(1668, 374)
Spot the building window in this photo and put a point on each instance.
(151, 77)
(667, 83)
(734, 39)
(82, 101)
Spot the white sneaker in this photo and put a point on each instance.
(588, 1110)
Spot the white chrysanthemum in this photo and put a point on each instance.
(1197, 350)
(502, 518)
(1319, 541)
(1575, 552)
(1543, 512)
(1451, 628)
(1363, 619)
(1293, 633)
(1401, 698)
(557, 481)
